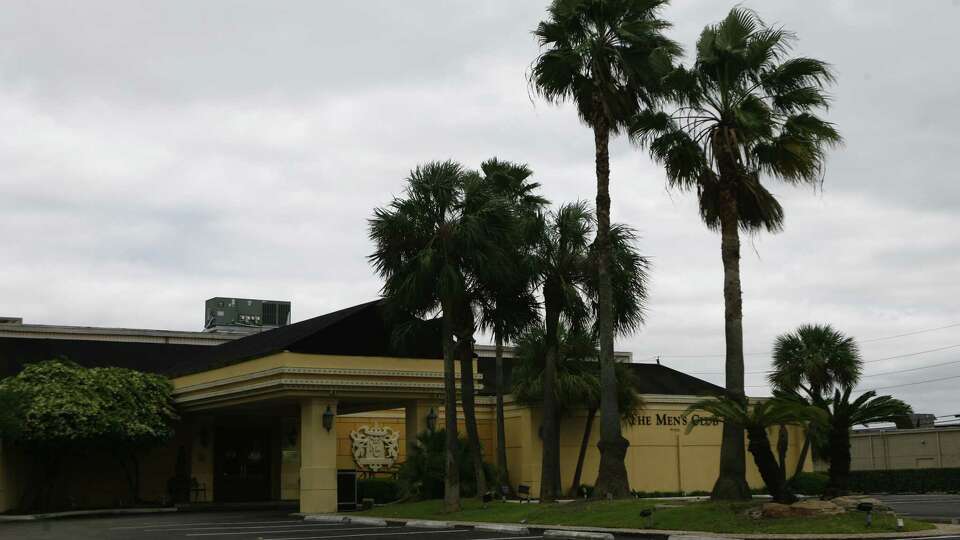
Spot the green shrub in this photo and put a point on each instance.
(809, 483)
(381, 490)
(422, 475)
(905, 480)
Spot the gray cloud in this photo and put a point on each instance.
(156, 154)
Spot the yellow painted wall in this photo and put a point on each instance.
(661, 457)
(91, 479)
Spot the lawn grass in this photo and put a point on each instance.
(703, 516)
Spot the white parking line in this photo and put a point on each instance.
(269, 532)
(371, 534)
(181, 524)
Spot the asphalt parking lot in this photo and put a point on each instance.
(944, 506)
(227, 526)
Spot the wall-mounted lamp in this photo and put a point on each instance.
(328, 419)
(432, 420)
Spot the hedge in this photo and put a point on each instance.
(381, 490)
(809, 483)
(905, 480)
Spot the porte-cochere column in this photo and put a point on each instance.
(318, 456)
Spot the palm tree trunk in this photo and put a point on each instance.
(501, 421)
(767, 464)
(839, 461)
(584, 443)
(612, 477)
(803, 453)
(550, 487)
(469, 409)
(451, 491)
(732, 482)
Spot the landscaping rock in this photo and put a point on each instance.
(775, 510)
(800, 509)
(816, 507)
(850, 502)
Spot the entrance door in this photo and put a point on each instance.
(242, 465)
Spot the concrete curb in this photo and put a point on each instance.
(324, 518)
(501, 528)
(83, 513)
(579, 535)
(609, 533)
(428, 524)
(362, 520)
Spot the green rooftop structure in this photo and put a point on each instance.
(244, 314)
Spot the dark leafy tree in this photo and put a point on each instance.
(434, 245)
(756, 419)
(59, 409)
(141, 411)
(607, 57)
(744, 112)
(812, 362)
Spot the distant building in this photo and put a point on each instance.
(923, 447)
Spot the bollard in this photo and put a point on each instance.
(868, 508)
(647, 515)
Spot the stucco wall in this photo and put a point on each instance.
(662, 455)
(905, 449)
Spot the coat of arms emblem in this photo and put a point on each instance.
(374, 448)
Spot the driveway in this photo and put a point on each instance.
(924, 506)
(227, 526)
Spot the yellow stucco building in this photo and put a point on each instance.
(280, 415)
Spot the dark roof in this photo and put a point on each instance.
(361, 330)
(147, 357)
(659, 379)
(651, 379)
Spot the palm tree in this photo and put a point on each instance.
(812, 362)
(565, 261)
(507, 308)
(744, 112)
(606, 56)
(842, 416)
(756, 419)
(430, 245)
(577, 384)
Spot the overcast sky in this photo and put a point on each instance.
(155, 154)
